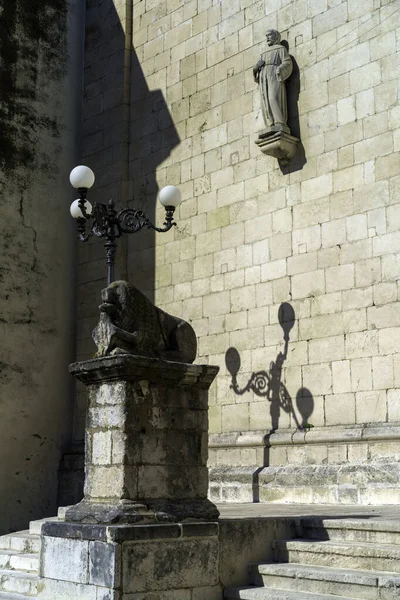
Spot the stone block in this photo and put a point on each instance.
(385, 293)
(388, 340)
(365, 103)
(373, 147)
(333, 233)
(318, 378)
(302, 263)
(101, 448)
(326, 350)
(362, 344)
(368, 272)
(373, 404)
(382, 372)
(361, 374)
(380, 317)
(386, 244)
(326, 304)
(307, 239)
(168, 565)
(329, 19)
(104, 564)
(340, 278)
(346, 110)
(308, 284)
(356, 227)
(273, 270)
(311, 213)
(235, 417)
(48, 589)
(340, 409)
(365, 77)
(393, 401)
(328, 257)
(64, 559)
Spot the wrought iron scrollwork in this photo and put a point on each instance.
(101, 219)
(131, 220)
(105, 222)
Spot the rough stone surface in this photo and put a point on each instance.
(39, 114)
(146, 441)
(101, 562)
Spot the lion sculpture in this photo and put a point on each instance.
(131, 324)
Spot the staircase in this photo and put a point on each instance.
(19, 562)
(332, 559)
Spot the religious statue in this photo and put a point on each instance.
(270, 72)
(131, 324)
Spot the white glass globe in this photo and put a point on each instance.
(170, 196)
(81, 177)
(76, 212)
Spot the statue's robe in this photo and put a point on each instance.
(272, 85)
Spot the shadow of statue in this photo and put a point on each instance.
(292, 95)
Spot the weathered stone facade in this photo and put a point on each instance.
(40, 66)
(320, 234)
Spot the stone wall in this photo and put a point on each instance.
(320, 235)
(40, 102)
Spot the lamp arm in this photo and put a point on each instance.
(131, 220)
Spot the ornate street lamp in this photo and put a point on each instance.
(105, 221)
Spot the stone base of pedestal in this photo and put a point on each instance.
(280, 145)
(150, 562)
(146, 441)
(154, 511)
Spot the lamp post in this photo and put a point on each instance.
(105, 221)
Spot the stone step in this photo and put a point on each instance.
(61, 512)
(355, 555)
(35, 527)
(364, 584)
(362, 530)
(11, 596)
(263, 593)
(22, 541)
(12, 560)
(19, 582)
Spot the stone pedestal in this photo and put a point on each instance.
(281, 145)
(146, 441)
(146, 562)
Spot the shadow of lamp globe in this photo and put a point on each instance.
(105, 221)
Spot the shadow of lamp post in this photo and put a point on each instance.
(105, 221)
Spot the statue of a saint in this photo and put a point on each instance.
(270, 72)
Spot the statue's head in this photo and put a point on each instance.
(273, 37)
(119, 304)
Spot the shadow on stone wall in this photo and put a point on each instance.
(293, 93)
(153, 136)
(268, 384)
(127, 133)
